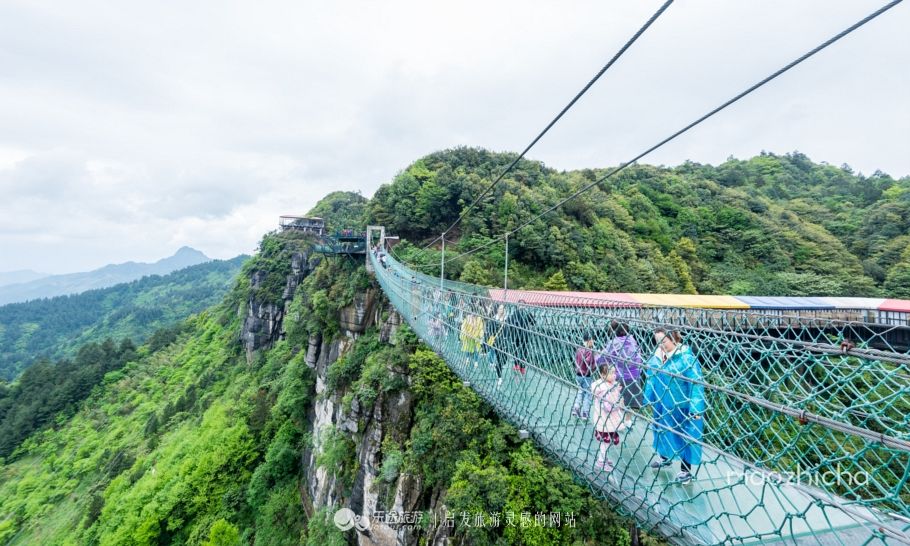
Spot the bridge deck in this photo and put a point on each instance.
(741, 504)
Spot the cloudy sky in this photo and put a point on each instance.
(129, 129)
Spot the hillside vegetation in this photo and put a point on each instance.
(771, 225)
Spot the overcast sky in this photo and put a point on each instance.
(129, 129)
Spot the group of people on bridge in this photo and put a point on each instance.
(615, 381)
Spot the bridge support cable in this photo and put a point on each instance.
(694, 123)
(552, 122)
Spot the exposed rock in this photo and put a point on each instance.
(257, 278)
(390, 326)
(358, 316)
(262, 325)
(391, 416)
(312, 353)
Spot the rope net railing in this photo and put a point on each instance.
(787, 435)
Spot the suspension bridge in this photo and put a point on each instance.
(805, 441)
(805, 433)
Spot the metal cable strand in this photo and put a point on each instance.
(565, 109)
(693, 124)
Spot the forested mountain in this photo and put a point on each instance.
(777, 225)
(48, 286)
(302, 392)
(55, 328)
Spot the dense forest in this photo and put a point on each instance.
(48, 391)
(54, 328)
(772, 225)
(189, 439)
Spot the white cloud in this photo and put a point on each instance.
(129, 129)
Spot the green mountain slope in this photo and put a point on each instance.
(55, 328)
(771, 225)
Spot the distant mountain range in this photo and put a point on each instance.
(22, 275)
(57, 327)
(50, 286)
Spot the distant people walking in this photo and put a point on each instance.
(493, 340)
(518, 326)
(678, 403)
(471, 335)
(584, 369)
(623, 353)
(437, 327)
(607, 414)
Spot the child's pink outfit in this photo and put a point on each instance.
(607, 416)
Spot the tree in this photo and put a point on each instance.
(222, 533)
(476, 273)
(682, 271)
(897, 283)
(556, 282)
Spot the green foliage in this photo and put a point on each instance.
(328, 289)
(223, 533)
(346, 369)
(476, 272)
(383, 372)
(321, 531)
(281, 520)
(391, 462)
(341, 210)
(47, 392)
(337, 454)
(54, 328)
(556, 282)
(448, 418)
(524, 482)
(270, 267)
(741, 227)
(281, 462)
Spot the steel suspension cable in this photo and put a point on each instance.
(693, 124)
(562, 112)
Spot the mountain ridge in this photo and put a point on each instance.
(108, 275)
(53, 328)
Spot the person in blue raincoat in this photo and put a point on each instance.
(678, 401)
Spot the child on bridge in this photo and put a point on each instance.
(607, 414)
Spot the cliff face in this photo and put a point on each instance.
(263, 320)
(386, 429)
(364, 429)
(389, 418)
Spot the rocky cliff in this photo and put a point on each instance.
(364, 428)
(368, 428)
(389, 431)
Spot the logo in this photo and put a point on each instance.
(345, 519)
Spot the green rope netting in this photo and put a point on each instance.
(803, 442)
